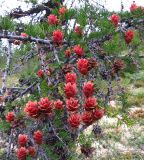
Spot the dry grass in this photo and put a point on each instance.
(12, 80)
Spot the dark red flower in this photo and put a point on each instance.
(52, 19)
(74, 120)
(70, 90)
(87, 118)
(82, 65)
(62, 11)
(40, 73)
(32, 151)
(71, 77)
(133, 7)
(31, 109)
(17, 42)
(24, 35)
(38, 137)
(58, 105)
(22, 153)
(22, 140)
(68, 53)
(58, 36)
(98, 114)
(45, 105)
(72, 104)
(129, 35)
(10, 117)
(78, 30)
(90, 103)
(115, 19)
(78, 50)
(88, 89)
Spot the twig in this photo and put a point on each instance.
(60, 139)
(28, 39)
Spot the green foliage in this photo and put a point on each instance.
(85, 140)
(19, 52)
(136, 100)
(70, 14)
(125, 14)
(123, 98)
(2, 57)
(49, 152)
(114, 46)
(28, 158)
(105, 26)
(45, 88)
(82, 17)
(138, 12)
(130, 67)
(64, 135)
(57, 65)
(129, 121)
(31, 1)
(7, 23)
(4, 126)
(136, 40)
(36, 30)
